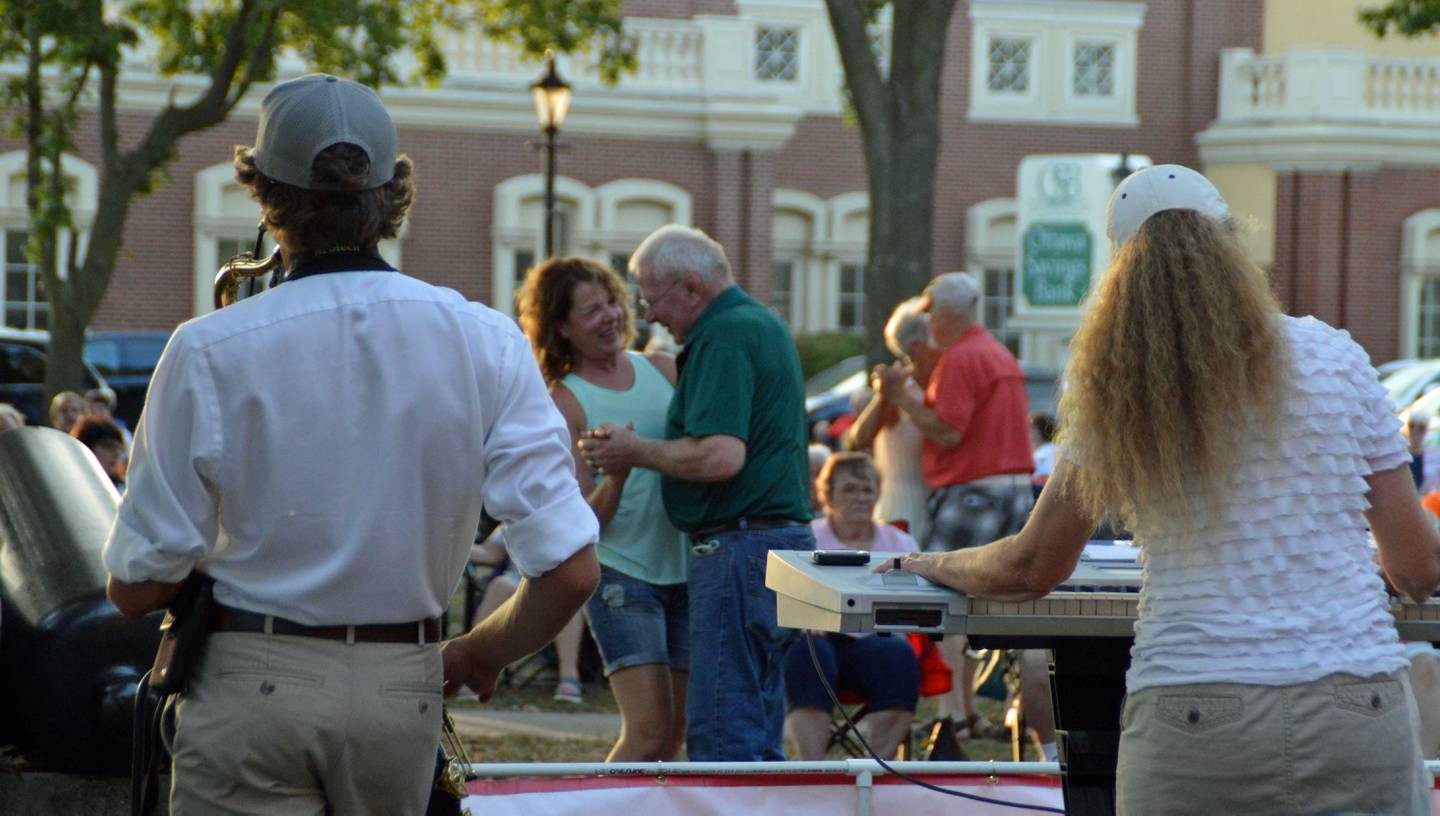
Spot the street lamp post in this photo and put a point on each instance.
(552, 103)
(1123, 169)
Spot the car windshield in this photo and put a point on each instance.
(133, 356)
(1402, 384)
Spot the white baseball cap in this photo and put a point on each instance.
(302, 117)
(1157, 189)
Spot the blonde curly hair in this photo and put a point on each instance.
(1180, 351)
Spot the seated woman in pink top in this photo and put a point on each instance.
(848, 487)
(881, 670)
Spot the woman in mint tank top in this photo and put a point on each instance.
(576, 313)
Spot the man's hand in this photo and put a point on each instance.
(611, 449)
(892, 381)
(136, 600)
(465, 665)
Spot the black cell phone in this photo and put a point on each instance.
(840, 558)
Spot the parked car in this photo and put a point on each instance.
(833, 376)
(23, 358)
(1406, 384)
(1385, 369)
(126, 360)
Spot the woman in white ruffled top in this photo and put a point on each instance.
(1247, 451)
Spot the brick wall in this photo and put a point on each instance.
(1338, 239)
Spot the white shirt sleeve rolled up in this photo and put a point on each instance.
(168, 519)
(530, 476)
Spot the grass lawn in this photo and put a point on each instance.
(597, 698)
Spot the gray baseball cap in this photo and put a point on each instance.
(304, 116)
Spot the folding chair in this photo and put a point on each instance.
(935, 679)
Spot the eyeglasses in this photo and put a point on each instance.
(646, 306)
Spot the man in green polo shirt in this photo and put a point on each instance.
(734, 476)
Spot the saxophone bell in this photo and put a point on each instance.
(241, 268)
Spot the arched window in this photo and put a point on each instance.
(629, 210)
(22, 287)
(849, 239)
(604, 224)
(519, 215)
(1420, 285)
(800, 227)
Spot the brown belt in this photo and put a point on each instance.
(229, 619)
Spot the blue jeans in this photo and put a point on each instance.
(735, 705)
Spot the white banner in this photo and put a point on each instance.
(727, 795)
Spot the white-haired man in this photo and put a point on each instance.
(891, 434)
(975, 419)
(734, 477)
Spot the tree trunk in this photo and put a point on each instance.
(900, 128)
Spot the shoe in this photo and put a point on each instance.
(567, 690)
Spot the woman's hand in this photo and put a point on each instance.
(915, 563)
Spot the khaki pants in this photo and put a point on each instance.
(275, 724)
(1342, 744)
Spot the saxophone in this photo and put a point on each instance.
(247, 266)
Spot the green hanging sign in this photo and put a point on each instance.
(1055, 264)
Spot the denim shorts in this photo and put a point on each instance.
(637, 623)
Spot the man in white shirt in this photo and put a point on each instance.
(323, 451)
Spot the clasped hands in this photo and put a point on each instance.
(889, 380)
(610, 449)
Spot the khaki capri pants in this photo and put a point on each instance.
(1341, 744)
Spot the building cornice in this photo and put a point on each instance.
(1321, 146)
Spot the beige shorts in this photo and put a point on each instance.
(277, 724)
(1342, 744)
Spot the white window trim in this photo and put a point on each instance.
(1010, 101)
(801, 48)
(841, 249)
(807, 277)
(979, 247)
(612, 196)
(84, 198)
(594, 232)
(818, 85)
(1054, 28)
(1412, 279)
(510, 234)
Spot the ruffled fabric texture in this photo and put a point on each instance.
(1278, 585)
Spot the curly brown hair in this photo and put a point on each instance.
(546, 300)
(312, 221)
(1180, 351)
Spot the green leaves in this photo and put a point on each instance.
(1409, 18)
(567, 27)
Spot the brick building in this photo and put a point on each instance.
(734, 123)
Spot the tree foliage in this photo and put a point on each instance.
(72, 53)
(1409, 18)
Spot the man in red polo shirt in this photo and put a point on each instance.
(976, 458)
